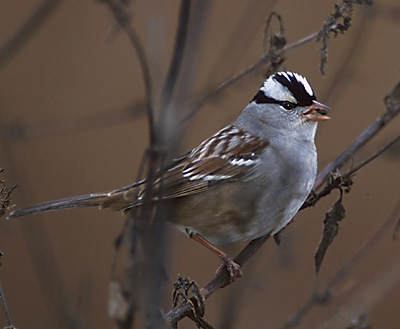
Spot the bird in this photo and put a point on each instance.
(246, 181)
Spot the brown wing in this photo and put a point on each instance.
(228, 155)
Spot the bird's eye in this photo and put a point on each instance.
(288, 105)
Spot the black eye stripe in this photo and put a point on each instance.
(260, 98)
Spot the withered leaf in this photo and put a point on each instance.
(331, 229)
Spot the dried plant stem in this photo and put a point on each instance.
(373, 156)
(123, 19)
(4, 304)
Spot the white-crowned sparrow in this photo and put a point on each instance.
(246, 181)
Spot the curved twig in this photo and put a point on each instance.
(177, 57)
(393, 109)
(123, 20)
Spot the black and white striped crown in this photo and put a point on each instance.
(283, 87)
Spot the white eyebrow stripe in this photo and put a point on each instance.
(275, 90)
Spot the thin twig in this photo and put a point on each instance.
(177, 57)
(5, 308)
(373, 156)
(174, 69)
(345, 180)
(393, 109)
(123, 19)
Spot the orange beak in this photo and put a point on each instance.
(316, 112)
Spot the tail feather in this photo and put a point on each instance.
(116, 200)
(89, 200)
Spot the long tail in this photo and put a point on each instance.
(116, 200)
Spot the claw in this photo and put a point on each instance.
(233, 269)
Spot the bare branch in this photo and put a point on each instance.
(373, 156)
(338, 181)
(5, 308)
(123, 19)
(3, 301)
(392, 110)
(177, 57)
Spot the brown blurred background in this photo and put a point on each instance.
(71, 123)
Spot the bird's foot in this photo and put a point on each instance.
(231, 267)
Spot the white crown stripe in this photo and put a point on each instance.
(275, 90)
(305, 83)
